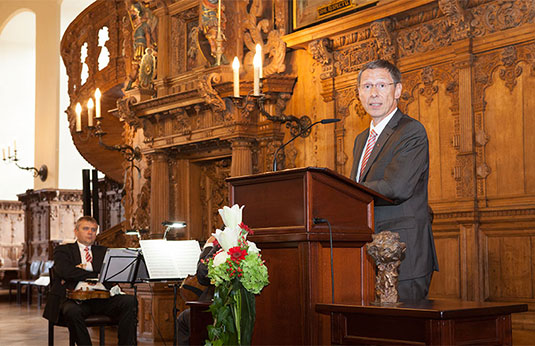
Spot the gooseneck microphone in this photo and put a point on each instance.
(324, 121)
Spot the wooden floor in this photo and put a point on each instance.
(22, 325)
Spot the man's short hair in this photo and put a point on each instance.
(86, 218)
(380, 63)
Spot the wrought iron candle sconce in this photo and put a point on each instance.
(42, 172)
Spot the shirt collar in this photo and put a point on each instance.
(82, 246)
(381, 126)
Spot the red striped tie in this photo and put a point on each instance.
(369, 147)
(88, 257)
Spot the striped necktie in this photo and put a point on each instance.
(369, 147)
(88, 257)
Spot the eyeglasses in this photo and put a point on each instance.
(381, 86)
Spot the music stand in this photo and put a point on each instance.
(124, 265)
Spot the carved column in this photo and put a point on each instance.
(242, 157)
(159, 193)
(163, 46)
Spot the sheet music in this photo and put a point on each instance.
(170, 259)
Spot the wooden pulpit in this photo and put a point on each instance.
(281, 208)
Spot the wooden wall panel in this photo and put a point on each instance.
(508, 262)
(447, 282)
(504, 152)
(527, 85)
(318, 148)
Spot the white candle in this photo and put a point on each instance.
(9, 151)
(236, 70)
(78, 117)
(14, 145)
(218, 18)
(260, 66)
(4, 153)
(90, 112)
(97, 103)
(256, 79)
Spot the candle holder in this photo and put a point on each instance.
(42, 172)
(297, 126)
(130, 153)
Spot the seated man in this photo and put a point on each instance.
(77, 262)
(208, 252)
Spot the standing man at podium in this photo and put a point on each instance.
(392, 158)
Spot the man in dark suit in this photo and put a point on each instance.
(209, 249)
(392, 158)
(74, 263)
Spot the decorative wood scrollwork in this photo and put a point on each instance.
(456, 17)
(321, 51)
(511, 70)
(501, 15)
(429, 89)
(126, 113)
(382, 31)
(210, 95)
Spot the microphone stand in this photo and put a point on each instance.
(324, 121)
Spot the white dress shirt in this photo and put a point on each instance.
(378, 129)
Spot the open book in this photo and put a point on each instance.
(170, 259)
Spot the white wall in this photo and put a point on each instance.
(17, 101)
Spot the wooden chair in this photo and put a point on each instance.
(101, 321)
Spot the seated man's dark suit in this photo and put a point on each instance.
(65, 275)
(398, 168)
(206, 296)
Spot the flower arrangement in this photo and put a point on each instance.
(238, 273)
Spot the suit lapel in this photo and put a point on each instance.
(76, 253)
(381, 141)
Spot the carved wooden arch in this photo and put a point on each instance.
(506, 62)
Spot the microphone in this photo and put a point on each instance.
(324, 121)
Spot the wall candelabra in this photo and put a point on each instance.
(42, 172)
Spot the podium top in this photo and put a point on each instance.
(286, 204)
(378, 198)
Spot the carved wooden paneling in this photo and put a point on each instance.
(447, 282)
(11, 233)
(508, 264)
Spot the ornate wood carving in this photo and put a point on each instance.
(210, 95)
(382, 31)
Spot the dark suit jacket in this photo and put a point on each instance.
(64, 275)
(398, 167)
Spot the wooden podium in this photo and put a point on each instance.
(280, 207)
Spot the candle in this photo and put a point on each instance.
(90, 112)
(218, 18)
(9, 152)
(4, 153)
(260, 67)
(97, 103)
(78, 117)
(236, 70)
(15, 145)
(256, 77)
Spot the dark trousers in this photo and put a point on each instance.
(121, 307)
(414, 289)
(183, 327)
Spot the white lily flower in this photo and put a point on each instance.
(232, 217)
(252, 247)
(227, 238)
(220, 258)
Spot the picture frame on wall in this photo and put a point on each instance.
(306, 13)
